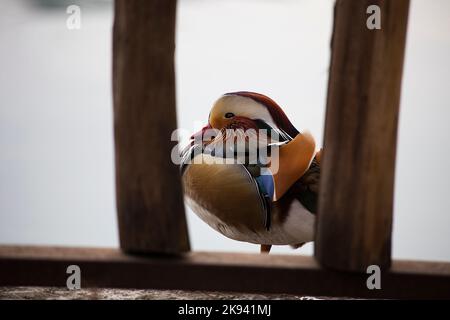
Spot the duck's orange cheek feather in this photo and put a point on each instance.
(292, 162)
(218, 122)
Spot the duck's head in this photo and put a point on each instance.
(248, 110)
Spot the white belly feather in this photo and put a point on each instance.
(297, 228)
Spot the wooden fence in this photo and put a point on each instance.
(356, 197)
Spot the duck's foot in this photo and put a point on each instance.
(265, 248)
(296, 246)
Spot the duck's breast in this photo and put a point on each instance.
(227, 198)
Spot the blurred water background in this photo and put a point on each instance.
(56, 142)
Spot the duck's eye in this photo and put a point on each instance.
(229, 115)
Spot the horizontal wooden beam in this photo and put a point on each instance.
(46, 266)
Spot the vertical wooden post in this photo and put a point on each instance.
(357, 183)
(149, 196)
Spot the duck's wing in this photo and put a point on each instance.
(292, 162)
(188, 154)
(306, 189)
(300, 201)
(227, 192)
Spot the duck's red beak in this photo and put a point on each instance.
(198, 136)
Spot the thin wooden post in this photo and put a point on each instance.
(357, 184)
(149, 196)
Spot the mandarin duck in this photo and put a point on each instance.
(271, 200)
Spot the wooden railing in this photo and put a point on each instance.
(356, 196)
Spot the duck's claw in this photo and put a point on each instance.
(265, 248)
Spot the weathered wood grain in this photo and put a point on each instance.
(149, 196)
(358, 165)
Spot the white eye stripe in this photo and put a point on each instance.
(241, 106)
